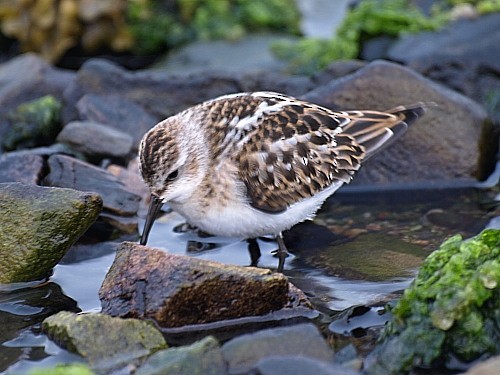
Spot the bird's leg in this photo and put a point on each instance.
(254, 250)
(281, 253)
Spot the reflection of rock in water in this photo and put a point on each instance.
(24, 308)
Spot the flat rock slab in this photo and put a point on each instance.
(106, 342)
(244, 352)
(442, 145)
(38, 225)
(204, 357)
(26, 168)
(69, 172)
(96, 140)
(177, 290)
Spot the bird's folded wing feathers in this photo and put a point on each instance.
(307, 148)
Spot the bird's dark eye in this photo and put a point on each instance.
(172, 176)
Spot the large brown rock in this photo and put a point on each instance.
(177, 290)
(443, 145)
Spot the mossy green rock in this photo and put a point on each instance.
(105, 342)
(34, 123)
(38, 225)
(70, 369)
(452, 309)
(204, 357)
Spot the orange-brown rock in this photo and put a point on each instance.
(177, 290)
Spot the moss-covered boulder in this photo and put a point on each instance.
(105, 342)
(452, 309)
(38, 225)
(35, 123)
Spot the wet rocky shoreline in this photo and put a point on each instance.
(69, 178)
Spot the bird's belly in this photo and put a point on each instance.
(239, 219)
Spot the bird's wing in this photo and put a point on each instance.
(291, 150)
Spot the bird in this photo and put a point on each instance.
(254, 164)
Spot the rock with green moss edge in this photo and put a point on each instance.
(35, 123)
(69, 369)
(452, 309)
(38, 225)
(204, 357)
(105, 342)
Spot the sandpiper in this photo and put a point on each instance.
(252, 164)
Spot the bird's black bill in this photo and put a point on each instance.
(154, 208)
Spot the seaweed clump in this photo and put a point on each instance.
(451, 310)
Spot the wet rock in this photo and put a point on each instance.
(34, 123)
(297, 365)
(117, 112)
(244, 352)
(26, 168)
(373, 257)
(39, 225)
(157, 93)
(96, 141)
(177, 290)
(464, 56)
(105, 342)
(203, 357)
(73, 173)
(440, 146)
(27, 77)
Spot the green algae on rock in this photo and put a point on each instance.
(66, 369)
(105, 342)
(39, 224)
(35, 123)
(452, 308)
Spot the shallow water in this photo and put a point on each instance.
(315, 267)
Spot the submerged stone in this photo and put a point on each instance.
(177, 290)
(452, 308)
(105, 342)
(372, 257)
(204, 357)
(38, 225)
